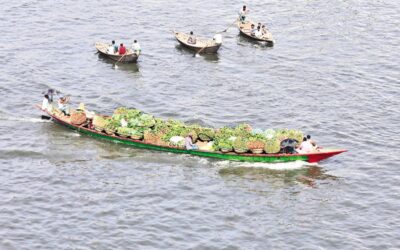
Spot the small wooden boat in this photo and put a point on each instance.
(206, 46)
(245, 30)
(129, 57)
(246, 157)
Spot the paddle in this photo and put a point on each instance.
(225, 30)
(45, 117)
(198, 52)
(116, 66)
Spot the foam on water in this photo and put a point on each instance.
(23, 119)
(274, 166)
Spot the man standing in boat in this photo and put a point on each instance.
(242, 14)
(136, 47)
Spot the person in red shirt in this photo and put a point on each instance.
(122, 49)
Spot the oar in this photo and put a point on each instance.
(116, 66)
(45, 117)
(225, 30)
(198, 52)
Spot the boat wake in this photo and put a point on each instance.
(24, 119)
(273, 166)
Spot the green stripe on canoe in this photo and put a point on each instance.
(231, 157)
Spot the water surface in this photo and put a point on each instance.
(333, 73)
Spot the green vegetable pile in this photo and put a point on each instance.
(242, 138)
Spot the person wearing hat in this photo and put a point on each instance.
(50, 93)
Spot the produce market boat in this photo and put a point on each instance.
(202, 45)
(129, 57)
(246, 157)
(245, 30)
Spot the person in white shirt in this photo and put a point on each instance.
(111, 49)
(136, 47)
(242, 13)
(313, 142)
(63, 105)
(253, 30)
(217, 38)
(305, 147)
(258, 32)
(46, 104)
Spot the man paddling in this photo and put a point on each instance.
(242, 14)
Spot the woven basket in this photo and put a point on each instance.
(226, 150)
(257, 150)
(109, 131)
(136, 137)
(240, 151)
(78, 118)
(99, 129)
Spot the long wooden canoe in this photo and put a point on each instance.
(271, 158)
(129, 57)
(245, 30)
(206, 46)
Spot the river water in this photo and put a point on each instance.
(334, 73)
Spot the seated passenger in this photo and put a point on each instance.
(258, 32)
(305, 147)
(192, 38)
(63, 105)
(217, 39)
(136, 47)
(253, 30)
(264, 30)
(313, 143)
(122, 49)
(189, 143)
(113, 48)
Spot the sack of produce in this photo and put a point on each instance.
(206, 134)
(124, 132)
(151, 137)
(206, 146)
(272, 146)
(177, 141)
(240, 145)
(78, 117)
(256, 145)
(99, 122)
